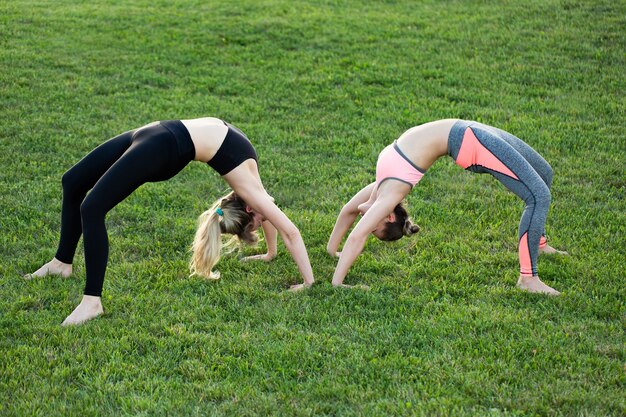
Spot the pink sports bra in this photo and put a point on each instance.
(393, 164)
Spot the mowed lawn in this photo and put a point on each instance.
(320, 87)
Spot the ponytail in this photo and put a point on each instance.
(402, 226)
(227, 215)
(410, 228)
(206, 245)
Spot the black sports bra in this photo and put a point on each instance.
(235, 149)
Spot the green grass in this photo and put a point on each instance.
(320, 87)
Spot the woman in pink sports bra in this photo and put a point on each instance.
(473, 146)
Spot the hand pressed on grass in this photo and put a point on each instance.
(299, 287)
(356, 286)
(265, 257)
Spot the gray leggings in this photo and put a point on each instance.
(486, 149)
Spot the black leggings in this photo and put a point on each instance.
(113, 171)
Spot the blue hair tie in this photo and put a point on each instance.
(219, 211)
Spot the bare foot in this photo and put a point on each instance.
(549, 250)
(54, 267)
(534, 284)
(90, 307)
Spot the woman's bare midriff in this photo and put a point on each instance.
(426, 143)
(207, 134)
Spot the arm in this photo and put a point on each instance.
(381, 208)
(270, 233)
(346, 218)
(256, 197)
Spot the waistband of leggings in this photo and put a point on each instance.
(183, 138)
(455, 138)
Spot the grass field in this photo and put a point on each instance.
(320, 87)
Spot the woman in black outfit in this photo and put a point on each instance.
(157, 152)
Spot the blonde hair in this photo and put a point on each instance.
(227, 215)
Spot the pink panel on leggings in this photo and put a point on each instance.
(525, 264)
(472, 152)
(543, 242)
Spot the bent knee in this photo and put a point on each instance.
(71, 180)
(543, 196)
(549, 174)
(91, 207)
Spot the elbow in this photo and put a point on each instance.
(356, 240)
(291, 234)
(347, 210)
